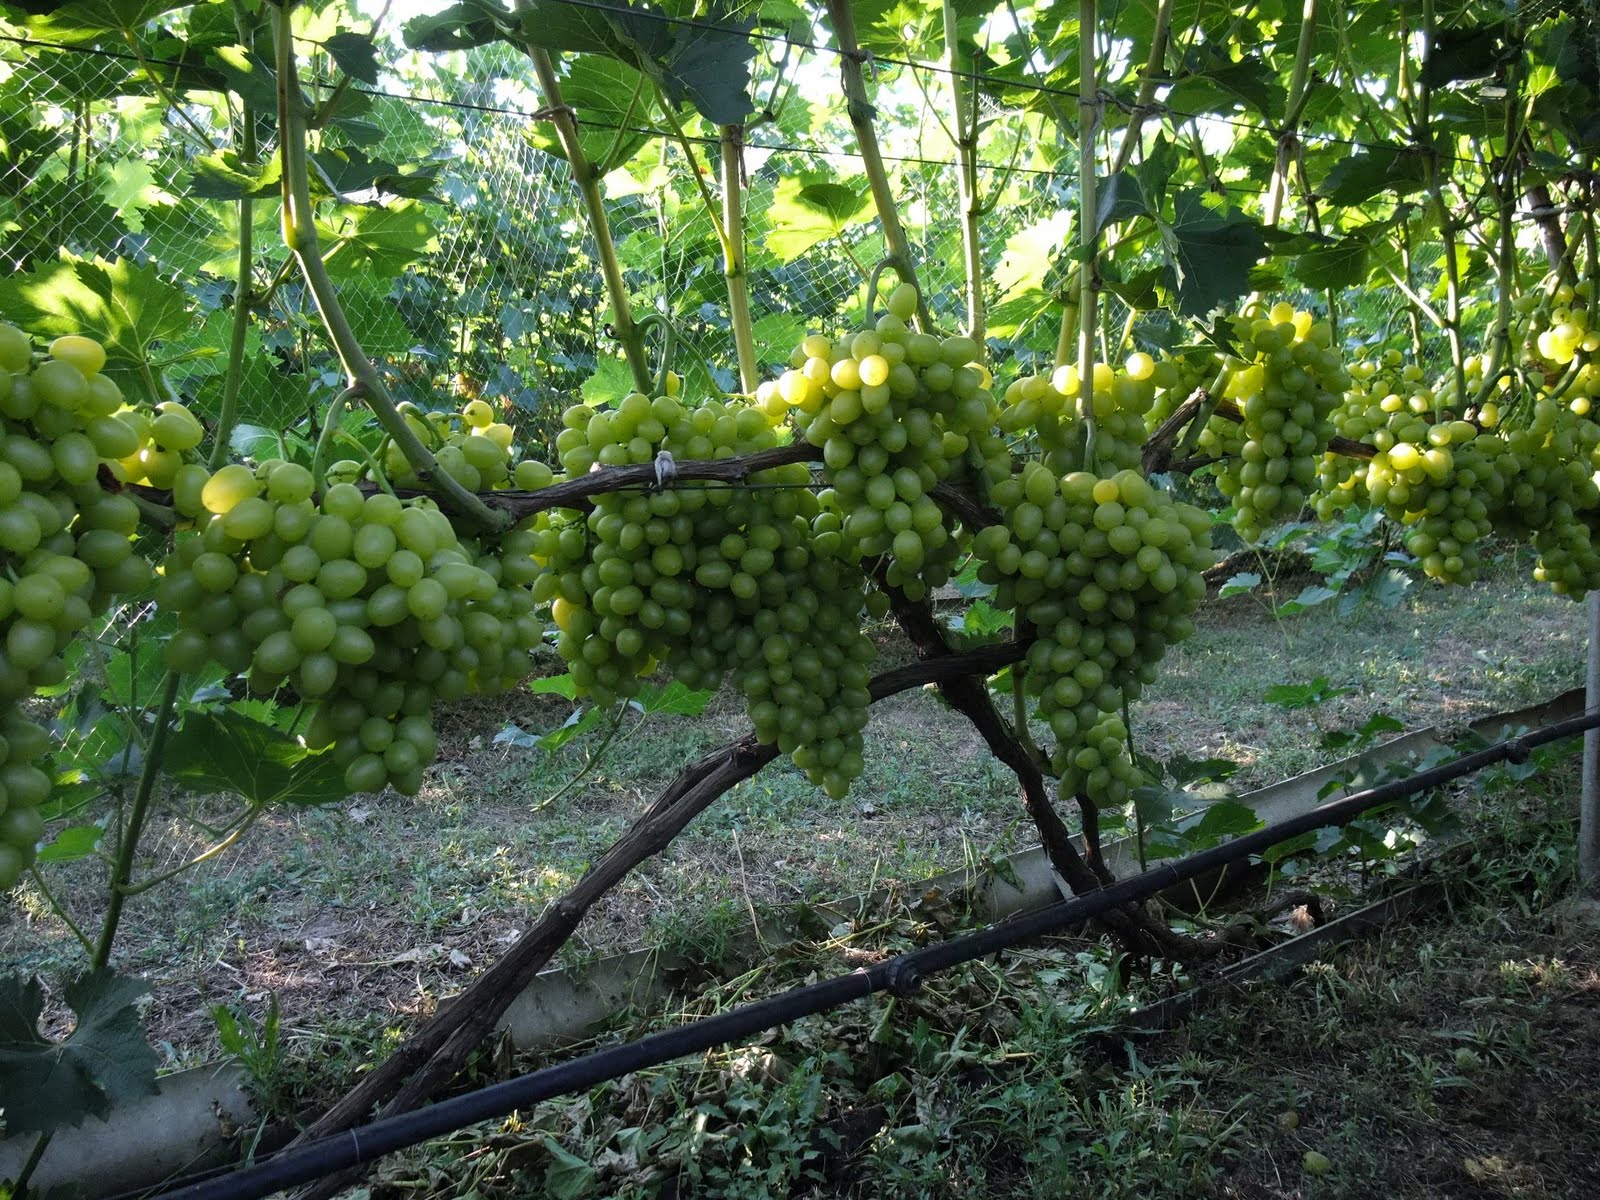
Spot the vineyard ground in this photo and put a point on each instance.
(356, 918)
(1452, 1055)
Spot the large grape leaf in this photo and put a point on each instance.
(708, 67)
(377, 241)
(127, 308)
(808, 209)
(225, 751)
(1211, 254)
(1373, 170)
(105, 1060)
(89, 19)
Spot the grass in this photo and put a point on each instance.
(370, 911)
(1456, 1055)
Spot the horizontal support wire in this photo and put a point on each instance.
(900, 975)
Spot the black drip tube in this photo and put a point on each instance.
(901, 974)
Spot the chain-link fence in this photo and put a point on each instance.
(486, 281)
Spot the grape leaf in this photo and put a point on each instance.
(1210, 253)
(222, 176)
(1341, 265)
(224, 751)
(127, 308)
(340, 172)
(378, 241)
(72, 843)
(356, 55)
(88, 19)
(806, 210)
(676, 699)
(105, 1060)
(1373, 170)
(1117, 198)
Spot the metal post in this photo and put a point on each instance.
(1589, 793)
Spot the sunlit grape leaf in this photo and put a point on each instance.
(808, 209)
(88, 19)
(1026, 259)
(129, 186)
(248, 75)
(377, 241)
(127, 308)
(611, 381)
(224, 751)
(222, 176)
(105, 1060)
(676, 699)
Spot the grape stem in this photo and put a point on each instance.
(244, 280)
(964, 133)
(1088, 219)
(300, 235)
(128, 837)
(586, 177)
(851, 59)
(330, 425)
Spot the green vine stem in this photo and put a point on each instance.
(1423, 133)
(1088, 234)
(855, 91)
(1143, 105)
(240, 828)
(330, 426)
(300, 235)
(734, 270)
(1505, 195)
(128, 838)
(669, 347)
(1299, 93)
(588, 181)
(964, 132)
(243, 300)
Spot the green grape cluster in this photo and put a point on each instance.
(367, 606)
(1284, 393)
(1048, 405)
(1441, 481)
(1107, 569)
(710, 580)
(469, 446)
(1099, 765)
(1524, 468)
(894, 412)
(65, 547)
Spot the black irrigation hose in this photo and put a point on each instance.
(900, 975)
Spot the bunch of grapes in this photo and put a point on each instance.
(1283, 393)
(65, 544)
(368, 606)
(1099, 765)
(711, 579)
(1122, 400)
(1441, 481)
(1108, 570)
(893, 412)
